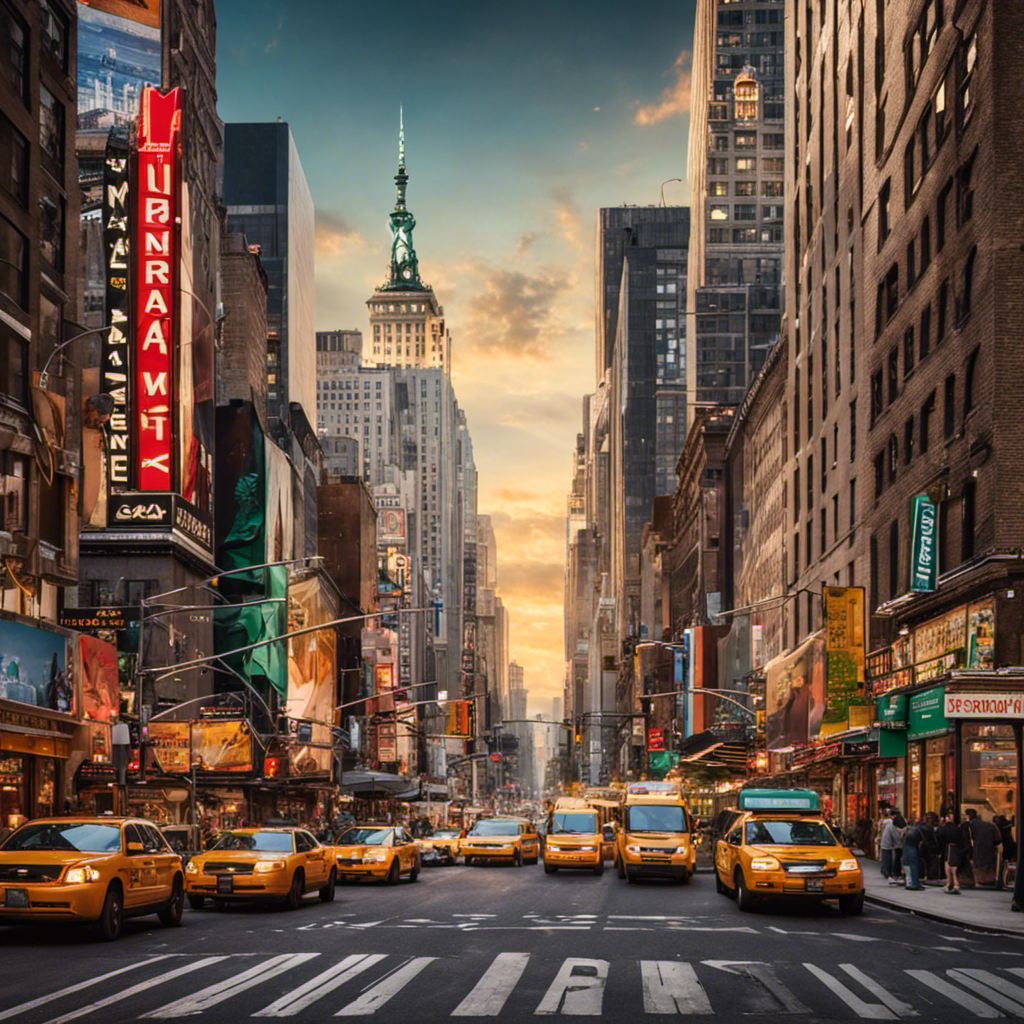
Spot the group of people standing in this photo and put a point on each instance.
(925, 847)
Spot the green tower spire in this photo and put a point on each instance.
(404, 271)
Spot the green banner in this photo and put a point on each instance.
(892, 743)
(923, 553)
(926, 717)
(891, 711)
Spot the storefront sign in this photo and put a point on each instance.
(984, 705)
(156, 510)
(88, 620)
(891, 711)
(387, 745)
(923, 556)
(156, 255)
(114, 358)
(926, 716)
(844, 647)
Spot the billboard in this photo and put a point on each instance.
(795, 689)
(169, 742)
(222, 746)
(118, 56)
(311, 685)
(844, 646)
(156, 247)
(36, 667)
(100, 694)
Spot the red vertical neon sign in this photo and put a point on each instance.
(156, 263)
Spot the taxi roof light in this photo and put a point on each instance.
(779, 800)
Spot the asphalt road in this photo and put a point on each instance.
(485, 943)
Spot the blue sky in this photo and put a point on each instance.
(521, 121)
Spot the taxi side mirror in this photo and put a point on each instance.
(136, 848)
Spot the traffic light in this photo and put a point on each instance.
(645, 705)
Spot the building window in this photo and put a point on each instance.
(894, 370)
(873, 571)
(718, 188)
(965, 190)
(940, 332)
(876, 396)
(949, 407)
(894, 458)
(746, 165)
(771, 189)
(51, 126)
(879, 474)
(965, 95)
(894, 558)
(744, 211)
(908, 440)
(911, 179)
(926, 244)
(967, 506)
(927, 409)
(51, 230)
(13, 260)
(719, 212)
(747, 94)
(853, 504)
(718, 165)
(746, 188)
(884, 223)
(972, 363)
(892, 291)
(14, 50)
(853, 430)
(924, 334)
(746, 140)
(54, 28)
(821, 548)
(908, 352)
(966, 284)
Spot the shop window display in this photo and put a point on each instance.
(989, 783)
(13, 802)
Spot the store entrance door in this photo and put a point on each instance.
(14, 795)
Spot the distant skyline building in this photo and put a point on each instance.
(735, 170)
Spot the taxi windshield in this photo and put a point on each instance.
(789, 833)
(365, 837)
(496, 828)
(576, 821)
(656, 818)
(257, 842)
(85, 837)
(446, 833)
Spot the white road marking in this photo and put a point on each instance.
(865, 1010)
(13, 1011)
(377, 995)
(142, 986)
(323, 984)
(854, 937)
(958, 995)
(991, 987)
(576, 994)
(772, 993)
(672, 987)
(900, 1008)
(493, 989)
(202, 1000)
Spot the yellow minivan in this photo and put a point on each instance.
(656, 839)
(573, 837)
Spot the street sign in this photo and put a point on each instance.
(495, 757)
(655, 739)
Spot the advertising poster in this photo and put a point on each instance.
(796, 695)
(118, 56)
(169, 742)
(311, 689)
(240, 525)
(981, 628)
(222, 746)
(844, 647)
(100, 697)
(36, 667)
(936, 644)
(280, 515)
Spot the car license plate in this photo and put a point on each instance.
(16, 898)
(225, 883)
(815, 885)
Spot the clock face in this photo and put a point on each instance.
(407, 273)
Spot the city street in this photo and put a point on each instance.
(486, 942)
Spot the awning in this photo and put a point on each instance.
(377, 785)
(23, 739)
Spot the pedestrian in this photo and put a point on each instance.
(891, 837)
(950, 838)
(912, 838)
(985, 842)
(1009, 846)
(929, 846)
(897, 855)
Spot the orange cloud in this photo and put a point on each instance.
(675, 97)
(334, 237)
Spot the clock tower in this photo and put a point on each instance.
(406, 321)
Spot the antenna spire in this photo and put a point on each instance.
(401, 140)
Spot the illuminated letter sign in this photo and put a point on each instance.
(156, 245)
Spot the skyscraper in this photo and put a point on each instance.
(735, 170)
(406, 321)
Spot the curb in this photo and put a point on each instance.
(932, 916)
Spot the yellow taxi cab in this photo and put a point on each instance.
(276, 864)
(98, 870)
(781, 849)
(573, 838)
(442, 847)
(383, 852)
(656, 839)
(511, 839)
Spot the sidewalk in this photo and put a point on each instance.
(986, 910)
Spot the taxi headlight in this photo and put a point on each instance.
(192, 868)
(264, 867)
(635, 850)
(681, 849)
(376, 856)
(764, 864)
(848, 865)
(79, 876)
(588, 849)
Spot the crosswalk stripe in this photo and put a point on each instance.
(493, 989)
(323, 984)
(993, 988)
(770, 995)
(374, 998)
(958, 995)
(672, 987)
(210, 996)
(142, 986)
(865, 1010)
(900, 1008)
(13, 1011)
(576, 994)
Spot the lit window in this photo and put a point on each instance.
(747, 94)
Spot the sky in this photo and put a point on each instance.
(521, 121)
